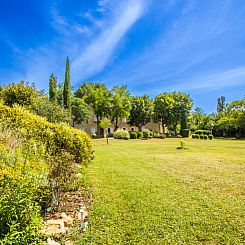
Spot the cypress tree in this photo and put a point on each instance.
(53, 89)
(67, 87)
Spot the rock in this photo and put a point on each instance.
(79, 216)
(85, 215)
(84, 226)
(68, 243)
(52, 242)
(67, 219)
(54, 226)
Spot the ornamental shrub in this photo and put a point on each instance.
(133, 135)
(140, 135)
(185, 133)
(194, 136)
(55, 137)
(203, 132)
(20, 94)
(205, 137)
(210, 137)
(146, 134)
(121, 134)
(201, 136)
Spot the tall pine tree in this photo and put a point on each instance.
(67, 87)
(53, 89)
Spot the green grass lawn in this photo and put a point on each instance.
(148, 192)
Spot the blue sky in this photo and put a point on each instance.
(152, 46)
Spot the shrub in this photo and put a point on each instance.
(140, 135)
(21, 94)
(201, 136)
(162, 136)
(185, 133)
(121, 134)
(94, 136)
(133, 135)
(205, 137)
(210, 137)
(156, 135)
(146, 134)
(56, 137)
(194, 136)
(203, 132)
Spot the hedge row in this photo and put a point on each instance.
(205, 137)
(56, 137)
(203, 132)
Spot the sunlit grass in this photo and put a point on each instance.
(148, 192)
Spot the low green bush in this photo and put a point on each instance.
(210, 137)
(201, 136)
(133, 135)
(162, 136)
(203, 132)
(205, 137)
(94, 136)
(146, 134)
(185, 133)
(121, 134)
(140, 135)
(156, 135)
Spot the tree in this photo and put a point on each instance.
(98, 97)
(120, 105)
(163, 105)
(80, 111)
(141, 111)
(53, 88)
(105, 123)
(67, 87)
(221, 104)
(171, 108)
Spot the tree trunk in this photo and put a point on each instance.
(175, 129)
(98, 126)
(163, 127)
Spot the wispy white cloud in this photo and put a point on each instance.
(97, 54)
(213, 81)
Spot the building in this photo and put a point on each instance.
(90, 127)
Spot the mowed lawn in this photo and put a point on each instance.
(148, 192)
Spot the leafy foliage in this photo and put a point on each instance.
(120, 104)
(141, 111)
(53, 88)
(67, 87)
(121, 134)
(80, 111)
(20, 94)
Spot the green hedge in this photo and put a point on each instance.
(56, 137)
(202, 132)
(121, 134)
(133, 135)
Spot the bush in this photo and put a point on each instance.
(201, 136)
(21, 94)
(195, 136)
(185, 133)
(20, 213)
(205, 137)
(94, 136)
(146, 134)
(156, 135)
(203, 132)
(56, 137)
(140, 135)
(210, 137)
(162, 136)
(133, 135)
(121, 134)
